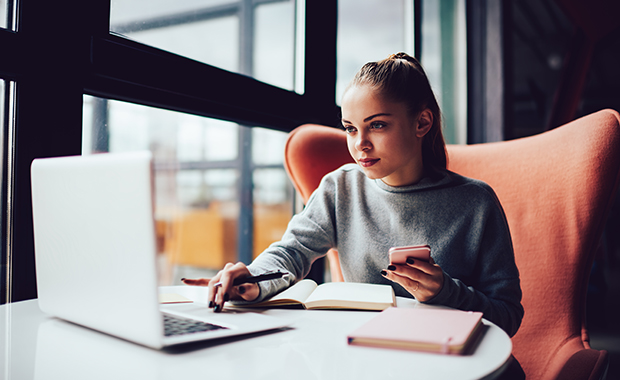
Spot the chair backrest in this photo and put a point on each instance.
(556, 189)
(312, 151)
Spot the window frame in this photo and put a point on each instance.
(60, 57)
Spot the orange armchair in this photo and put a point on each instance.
(556, 189)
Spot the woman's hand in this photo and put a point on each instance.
(423, 280)
(221, 287)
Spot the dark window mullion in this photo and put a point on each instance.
(53, 46)
(129, 71)
(10, 64)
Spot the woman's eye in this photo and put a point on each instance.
(377, 125)
(349, 129)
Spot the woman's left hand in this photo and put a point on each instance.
(422, 279)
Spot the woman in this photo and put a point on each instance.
(398, 193)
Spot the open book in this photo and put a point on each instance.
(332, 295)
(445, 331)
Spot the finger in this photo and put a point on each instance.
(408, 283)
(414, 279)
(213, 290)
(408, 271)
(227, 291)
(248, 292)
(196, 282)
(220, 287)
(429, 268)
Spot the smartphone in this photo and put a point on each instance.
(399, 255)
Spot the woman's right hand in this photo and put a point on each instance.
(225, 290)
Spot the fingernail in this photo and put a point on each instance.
(383, 273)
(211, 304)
(391, 267)
(226, 297)
(241, 290)
(409, 260)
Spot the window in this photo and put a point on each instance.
(372, 30)
(254, 37)
(198, 171)
(205, 165)
(121, 93)
(444, 58)
(274, 44)
(5, 13)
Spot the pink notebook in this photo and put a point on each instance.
(433, 330)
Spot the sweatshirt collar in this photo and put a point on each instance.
(427, 182)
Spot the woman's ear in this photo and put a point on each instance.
(425, 122)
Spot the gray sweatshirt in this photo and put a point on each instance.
(460, 218)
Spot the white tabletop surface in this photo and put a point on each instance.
(36, 346)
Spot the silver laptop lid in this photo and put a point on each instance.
(95, 243)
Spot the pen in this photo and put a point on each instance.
(255, 279)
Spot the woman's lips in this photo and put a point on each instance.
(367, 162)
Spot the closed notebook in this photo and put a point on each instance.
(432, 330)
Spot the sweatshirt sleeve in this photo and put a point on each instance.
(308, 237)
(494, 288)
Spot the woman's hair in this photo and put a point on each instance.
(400, 78)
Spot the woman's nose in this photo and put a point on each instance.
(362, 143)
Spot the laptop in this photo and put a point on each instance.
(96, 255)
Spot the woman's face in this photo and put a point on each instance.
(383, 138)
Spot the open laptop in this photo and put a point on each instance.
(95, 251)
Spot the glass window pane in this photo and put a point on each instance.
(196, 198)
(124, 12)
(204, 30)
(374, 29)
(369, 31)
(274, 40)
(258, 40)
(203, 139)
(197, 181)
(273, 206)
(4, 12)
(444, 58)
(268, 146)
(196, 41)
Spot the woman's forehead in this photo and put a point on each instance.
(364, 101)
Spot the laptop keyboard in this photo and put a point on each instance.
(178, 326)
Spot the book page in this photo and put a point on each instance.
(173, 298)
(352, 295)
(297, 293)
